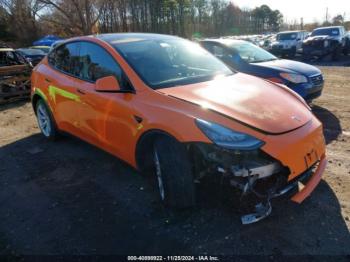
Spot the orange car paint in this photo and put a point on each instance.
(292, 134)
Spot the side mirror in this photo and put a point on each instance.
(107, 84)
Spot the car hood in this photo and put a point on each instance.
(319, 38)
(249, 100)
(290, 66)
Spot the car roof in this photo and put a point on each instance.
(6, 49)
(116, 38)
(328, 27)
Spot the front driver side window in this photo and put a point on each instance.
(96, 62)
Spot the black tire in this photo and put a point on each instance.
(336, 54)
(42, 109)
(174, 170)
(306, 57)
(345, 51)
(292, 53)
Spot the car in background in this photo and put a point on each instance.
(15, 74)
(34, 56)
(245, 57)
(43, 48)
(266, 43)
(324, 41)
(180, 115)
(288, 43)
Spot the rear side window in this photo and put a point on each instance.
(66, 58)
(95, 62)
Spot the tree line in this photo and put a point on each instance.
(26, 20)
(23, 21)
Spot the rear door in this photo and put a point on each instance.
(59, 78)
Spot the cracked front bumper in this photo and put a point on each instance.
(312, 183)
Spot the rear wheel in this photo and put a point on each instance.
(173, 173)
(45, 120)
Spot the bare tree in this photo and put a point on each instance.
(82, 14)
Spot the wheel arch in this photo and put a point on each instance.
(35, 98)
(145, 142)
(38, 94)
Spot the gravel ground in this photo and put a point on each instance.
(68, 197)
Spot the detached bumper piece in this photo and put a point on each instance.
(261, 211)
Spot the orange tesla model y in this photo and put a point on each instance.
(164, 104)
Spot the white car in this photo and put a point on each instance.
(288, 43)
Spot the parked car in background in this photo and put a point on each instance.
(180, 115)
(266, 42)
(325, 41)
(288, 43)
(15, 74)
(43, 48)
(245, 57)
(33, 56)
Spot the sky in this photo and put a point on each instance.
(310, 10)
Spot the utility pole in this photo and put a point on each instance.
(301, 23)
(327, 15)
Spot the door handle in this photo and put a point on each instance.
(48, 80)
(80, 91)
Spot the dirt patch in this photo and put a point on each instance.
(68, 197)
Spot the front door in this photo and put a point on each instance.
(106, 119)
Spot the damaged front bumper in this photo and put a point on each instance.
(304, 185)
(259, 174)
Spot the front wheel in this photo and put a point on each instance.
(336, 54)
(173, 173)
(45, 120)
(292, 53)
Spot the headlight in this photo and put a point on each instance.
(227, 138)
(294, 78)
(326, 43)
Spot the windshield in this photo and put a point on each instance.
(326, 31)
(32, 51)
(43, 49)
(252, 53)
(286, 36)
(170, 62)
